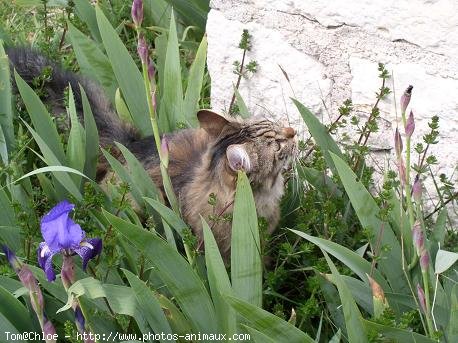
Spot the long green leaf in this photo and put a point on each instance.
(139, 176)
(219, 283)
(267, 323)
(452, 329)
(51, 159)
(191, 12)
(86, 13)
(129, 77)
(360, 291)
(257, 336)
(6, 209)
(175, 272)
(176, 319)
(171, 111)
(168, 215)
(243, 109)
(157, 13)
(319, 180)
(320, 134)
(368, 214)
(195, 79)
(11, 236)
(76, 154)
(356, 263)
(149, 306)
(14, 311)
(41, 120)
(93, 63)
(120, 298)
(399, 335)
(246, 268)
(52, 169)
(123, 174)
(6, 110)
(92, 138)
(400, 226)
(7, 329)
(121, 108)
(353, 318)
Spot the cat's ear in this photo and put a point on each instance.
(211, 122)
(238, 158)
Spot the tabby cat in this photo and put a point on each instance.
(201, 161)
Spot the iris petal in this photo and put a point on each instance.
(45, 260)
(59, 230)
(41, 252)
(87, 253)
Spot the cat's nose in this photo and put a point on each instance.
(289, 132)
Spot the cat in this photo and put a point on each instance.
(202, 161)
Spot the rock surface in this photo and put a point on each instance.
(330, 51)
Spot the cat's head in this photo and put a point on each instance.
(258, 146)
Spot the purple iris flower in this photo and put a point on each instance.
(63, 235)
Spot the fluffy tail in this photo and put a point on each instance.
(30, 64)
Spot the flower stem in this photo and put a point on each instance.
(167, 183)
(68, 278)
(429, 322)
(408, 189)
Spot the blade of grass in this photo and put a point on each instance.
(219, 283)
(92, 61)
(172, 97)
(353, 319)
(195, 80)
(149, 306)
(41, 120)
(129, 77)
(6, 110)
(356, 263)
(320, 134)
(267, 323)
(246, 268)
(92, 138)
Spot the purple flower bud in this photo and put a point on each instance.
(418, 237)
(421, 298)
(12, 259)
(417, 189)
(153, 100)
(402, 171)
(30, 282)
(142, 49)
(151, 71)
(397, 143)
(410, 125)
(49, 331)
(405, 99)
(424, 260)
(79, 319)
(137, 12)
(165, 151)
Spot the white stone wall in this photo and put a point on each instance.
(330, 50)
